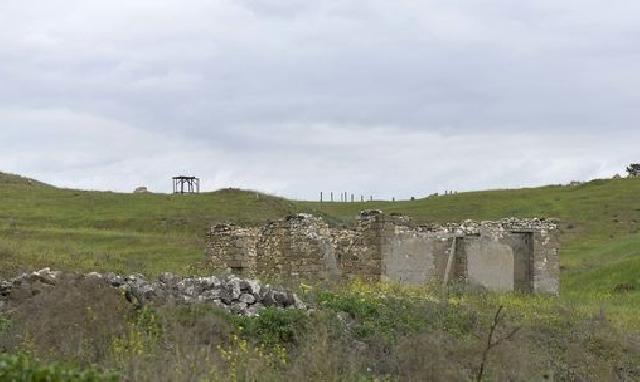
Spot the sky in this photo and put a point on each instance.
(378, 98)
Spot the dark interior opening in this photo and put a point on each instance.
(523, 261)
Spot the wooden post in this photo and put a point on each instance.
(320, 196)
(452, 254)
(332, 197)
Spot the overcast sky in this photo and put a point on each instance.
(377, 97)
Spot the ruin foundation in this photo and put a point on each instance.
(508, 255)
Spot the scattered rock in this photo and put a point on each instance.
(240, 296)
(239, 308)
(247, 298)
(254, 288)
(93, 274)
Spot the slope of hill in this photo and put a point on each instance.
(600, 233)
(151, 233)
(17, 179)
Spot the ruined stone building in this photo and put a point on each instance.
(507, 255)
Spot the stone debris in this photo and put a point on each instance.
(240, 296)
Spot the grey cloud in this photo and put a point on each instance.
(277, 94)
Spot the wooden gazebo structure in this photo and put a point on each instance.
(183, 184)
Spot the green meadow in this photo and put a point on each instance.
(41, 225)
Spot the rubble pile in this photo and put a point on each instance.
(234, 294)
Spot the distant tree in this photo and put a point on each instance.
(633, 170)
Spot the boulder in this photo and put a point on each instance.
(247, 298)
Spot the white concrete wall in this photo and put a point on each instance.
(408, 259)
(490, 264)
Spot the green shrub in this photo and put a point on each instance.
(274, 327)
(5, 323)
(23, 367)
(385, 317)
(391, 315)
(77, 320)
(148, 320)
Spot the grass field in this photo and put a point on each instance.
(41, 225)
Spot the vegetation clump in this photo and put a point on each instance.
(23, 367)
(354, 331)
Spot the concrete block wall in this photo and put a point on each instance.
(416, 257)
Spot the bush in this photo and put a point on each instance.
(358, 331)
(5, 323)
(274, 327)
(77, 319)
(390, 311)
(23, 367)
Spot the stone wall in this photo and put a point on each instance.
(297, 246)
(510, 254)
(546, 261)
(233, 249)
(359, 250)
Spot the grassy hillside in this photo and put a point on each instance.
(600, 234)
(44, 226)
(149, 233)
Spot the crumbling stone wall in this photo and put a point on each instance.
(510, 254)
(233, 249)
(296, 246)
(546, 261)
(359, 250)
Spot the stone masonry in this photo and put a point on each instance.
(507, 255)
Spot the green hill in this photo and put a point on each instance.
(42, 225)
(149, 233)
(600, 234)
(17, 179)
